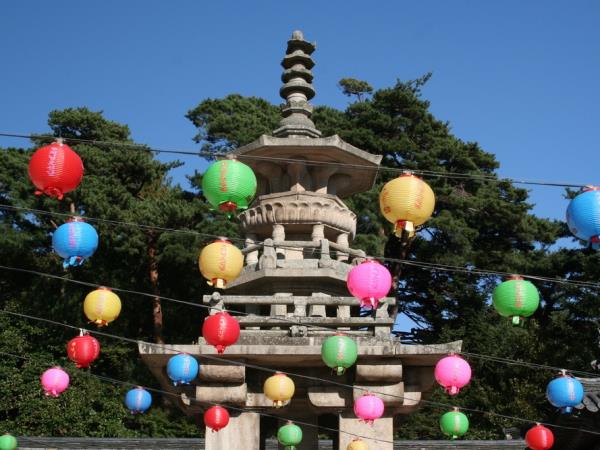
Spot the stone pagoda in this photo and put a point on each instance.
(293, 288)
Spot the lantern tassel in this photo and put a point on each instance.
(452, 390)
(228, 206)
(219, 283)
(404, 225)
(516, 320)
(566, 410)
(220, 349)
(340, 370)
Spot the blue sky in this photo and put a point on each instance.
(521, 78)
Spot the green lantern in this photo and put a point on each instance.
(289, 436)
(229, 185)
(8, 442)
(454, 424)
(339, 352)
(516, 298)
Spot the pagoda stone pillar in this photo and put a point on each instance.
(242, 432)
(378, 436)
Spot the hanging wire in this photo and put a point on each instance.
(208, 402)
(434, 267)
(307, 377)
(308, 162)
(286, 320)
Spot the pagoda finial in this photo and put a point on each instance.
(297, 90)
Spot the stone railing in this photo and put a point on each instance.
(321, 249)
(289, 315)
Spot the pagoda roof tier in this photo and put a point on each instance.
(350, 169)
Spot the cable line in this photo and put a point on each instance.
(311, 378)
(434, 267)
(201, 153)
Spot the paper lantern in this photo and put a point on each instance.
(370, 281)
(182, 369)
(406, 202)
(8, 442)
(279, 388)
(516, 298)
(289, 436)
(454, 424)
(75, 241)
(368, 408)
(539, 438)
(220, 263)
(565, 392)
(339, 352)
(357, 444)
(216, 418)
(102, 306)
(138, 400)
(83, 350)
(229, 185)
(55, 170)
(583, 215)
(54, 381)
(452, 373)
(220, 330)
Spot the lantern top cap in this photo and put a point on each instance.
(515, 277)
(222, 239)
(103, 288)
(75, 219)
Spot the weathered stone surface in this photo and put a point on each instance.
(379, 436)
(345, 179)
(224, 373)
(243, 432)
(219, 393)
(329, 397)
(383, 371)
(392, 395)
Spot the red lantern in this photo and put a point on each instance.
(55, 169)
(83, 350)
(216, 418)
(220, 330)
(539, 438)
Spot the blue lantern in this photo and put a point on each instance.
(583, 215)
(565, 392)
(138, 400)
(75, 241)
(182, 369)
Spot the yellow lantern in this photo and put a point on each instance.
(357, 444)
(279, 388)
(102, 306)
(220, 263)
(407, 202)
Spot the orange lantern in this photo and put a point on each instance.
(407, 202)
(220, 263)
(279, 388)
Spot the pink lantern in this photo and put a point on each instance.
(55, 381)
(452, 373)
(370, 281)
(368, 408)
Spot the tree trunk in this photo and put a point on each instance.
(157, 316)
